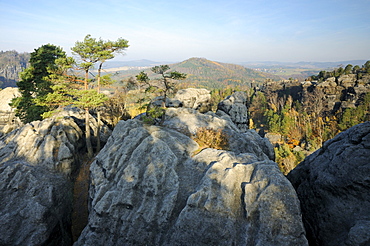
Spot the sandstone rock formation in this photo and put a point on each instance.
(198, 99)
(333, 94)
(333, 186)
(150, 186)
(51, 143)
(35, 207)
(8, 121)
(37, 162)
(236, 107)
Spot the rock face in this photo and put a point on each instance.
(149, 187)
(50, 143)
(8, 121)
(37, 162)
(236, 107)
(11, 64)
(35, 206)
(199, 99)
(333, 186)
(333, 94)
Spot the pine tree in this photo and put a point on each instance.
(36, 83)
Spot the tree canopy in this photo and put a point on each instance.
(36, 82)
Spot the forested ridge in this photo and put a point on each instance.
(211, 74)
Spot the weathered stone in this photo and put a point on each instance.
(274, 138)
(189, 121)
(236, 107)
(198, 99)
(149, 187)
(8, 121)
(333, 186)
(35, 206)
(51, 143)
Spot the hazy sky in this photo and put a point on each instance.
(220, 30)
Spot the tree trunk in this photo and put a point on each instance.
(86, 78)
(90, 151)
(98, 145)
(99, 72)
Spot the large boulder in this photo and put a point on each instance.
(37, 164)
(333, 186)
(150, 185)
(189, 121)
(8, 121)
(35, 207)
(236, 107)
(199, 99)
(52, 143)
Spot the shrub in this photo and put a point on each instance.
(210, 138)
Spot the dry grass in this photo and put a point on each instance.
(210, 138)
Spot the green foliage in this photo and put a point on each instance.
(36, 82)
(88, 98)
(354, 116)
(208, 74)
(349, 69)
(217, 95)
(153, 113)
(163, 86)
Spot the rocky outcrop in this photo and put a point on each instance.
(51, 143)
(11, 64)
(35, 207)
(8, 121)
(150, 186)
(199, 99)
(37, 163)
(333, 186)
(332, 95)
(236, 107)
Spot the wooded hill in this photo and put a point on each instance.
(210, 74)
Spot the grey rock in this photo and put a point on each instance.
(236, 107)
(35, 206)
(189, 121)
(333, 186)
(8, 121)
(274, 138)
(198, 99)
(150, 187)
(52, 143)
(37, 164)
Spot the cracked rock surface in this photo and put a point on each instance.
(148, 187)
(333, 186)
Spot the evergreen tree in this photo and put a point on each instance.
(166, 85)
(36, 82)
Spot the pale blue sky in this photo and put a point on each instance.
(221, 30)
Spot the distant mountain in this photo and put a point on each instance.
(210, 74)
(11, 64)
(214, 74)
